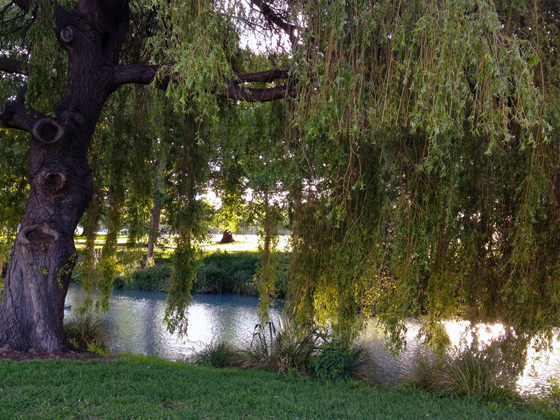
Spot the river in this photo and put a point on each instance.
(137, 327)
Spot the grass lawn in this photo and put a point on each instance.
(135, 387)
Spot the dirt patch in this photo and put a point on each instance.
(77, 354)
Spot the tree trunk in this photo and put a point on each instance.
(154, 229)
(43, 256)
(227, 238)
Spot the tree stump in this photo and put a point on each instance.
(227, 238)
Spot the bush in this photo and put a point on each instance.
(211, 278)
(88, 331)
(221, 272)
(234, 272)
(156, 279)
(218, 355)
(551, 394)
(303, 350)
(330, 361)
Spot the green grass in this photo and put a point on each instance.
(150, 388)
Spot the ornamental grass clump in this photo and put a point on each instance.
(285, 349)
(475, 373)
(218, 355)
(88, 331)
(333, 361)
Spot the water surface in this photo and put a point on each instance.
(137, 319)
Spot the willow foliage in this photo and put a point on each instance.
(417, 158)
(428, 154)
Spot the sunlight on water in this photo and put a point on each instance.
(486, 333)
(540, 365)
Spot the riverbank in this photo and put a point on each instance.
(151, 388)
(220, 272)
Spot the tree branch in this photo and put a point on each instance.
(263, 76)
(15, 115)
(234, 91)
(145, 75)
(9, 65)
(273, 18)
(24, 5)
(139, 74)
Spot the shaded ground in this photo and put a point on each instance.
(80, 355)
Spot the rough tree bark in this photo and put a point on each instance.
(43, 256)
(154, 229)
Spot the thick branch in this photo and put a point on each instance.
(234, 91)
(15, 115)
(273, 18)
(141, 74)
(24, 5)
(263, 76)
(11, 66)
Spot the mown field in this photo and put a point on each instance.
(135, 387)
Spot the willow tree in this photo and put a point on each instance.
(428, 165)
(420, 147)
(71, 54)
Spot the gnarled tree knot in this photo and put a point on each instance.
(36, 234)
(54, 181)
(47, 130)
(67, 34)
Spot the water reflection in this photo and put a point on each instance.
(138, 319)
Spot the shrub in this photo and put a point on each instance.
(551, 393)
(303, 350)
(330, 361)
(154, 278)
(243, 282)
(234, 272)
(227, 272)
(88, 331)
(220, 272)
(211, 278)
(219, 355)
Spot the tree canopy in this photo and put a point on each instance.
(413, 144)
